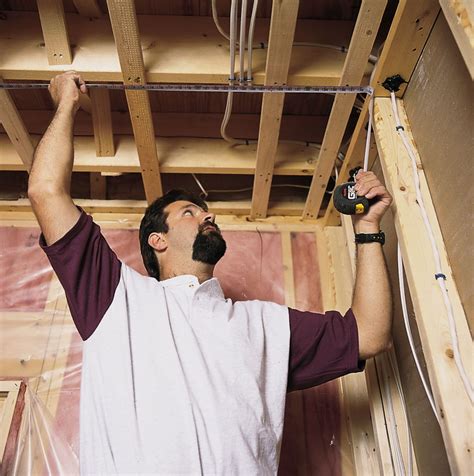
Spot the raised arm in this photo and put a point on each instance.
(50, 176)
(372, 300)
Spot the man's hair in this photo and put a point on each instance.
(154, 220)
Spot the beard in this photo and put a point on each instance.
(209, 246)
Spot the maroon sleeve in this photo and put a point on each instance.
(88, 270)
(322, 347)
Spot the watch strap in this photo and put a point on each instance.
(379, 237)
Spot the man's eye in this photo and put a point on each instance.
(188, 212)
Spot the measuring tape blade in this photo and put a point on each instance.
(211, 88)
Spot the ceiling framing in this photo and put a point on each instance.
(168, 137)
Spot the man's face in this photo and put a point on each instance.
(192, 230)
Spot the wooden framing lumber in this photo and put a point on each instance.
(56, 38)
(404, 44)
(356, 397)
(193, 124)
(406, 39)
(452, 401)
(386, 406)
(282, 31)
(11, 419)
(88, 8)
(179, 155)
(102, 122)
(285, 207)
(288, 276)
(103, 137)
(167, 41)
(15, 128)
(460, 17)
(127, 38)
(365, 31)
(9, 390)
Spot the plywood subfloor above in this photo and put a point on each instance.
(175, 49)
(178, 155)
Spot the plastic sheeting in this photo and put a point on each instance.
(39, 344)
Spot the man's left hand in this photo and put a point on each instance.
(368, 185)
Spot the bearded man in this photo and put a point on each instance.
(177, 379)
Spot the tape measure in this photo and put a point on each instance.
(346, 200)
(211, 88)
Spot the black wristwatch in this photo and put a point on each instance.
(379, 237)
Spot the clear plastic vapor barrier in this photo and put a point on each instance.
(40, 347)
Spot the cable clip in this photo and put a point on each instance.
(400, 128)
(440, 275)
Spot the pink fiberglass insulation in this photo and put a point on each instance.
(251, 269)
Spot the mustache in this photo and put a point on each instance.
(208, 224)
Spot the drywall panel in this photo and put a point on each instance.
(439, 103)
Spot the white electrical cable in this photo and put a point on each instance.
(203, 190)
(232, 38)
(368, 136)
(216, 20)
(403, 300)
(393, 432)
(439, 275)
(253, 18)
(243, 24)
(230, 95)
(402, 399)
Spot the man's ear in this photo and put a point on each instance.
(158, 241)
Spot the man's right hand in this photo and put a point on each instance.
(65, 90)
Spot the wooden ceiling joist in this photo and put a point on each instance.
(88, 8)
(365, 31)
(281, 207)
(411, 27)
(127, 38)
(189, 124)
(21, 143)
(176, 49)
(179, 155)
(452, 401)
(55, 33)
(102, 122)
(403, 46)
(282, 31)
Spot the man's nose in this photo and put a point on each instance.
(209, 217)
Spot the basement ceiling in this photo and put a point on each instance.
(180, 43)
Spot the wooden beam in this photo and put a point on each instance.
(15, 128)
(451, 399)
(460, 17)
(284, 207)
(288, 276)
(88, 8)
(302, 128)
(365, 31)
(179, 155)
(98, 186)
(356, 397)
(168, 41)
(56, 38)
(11, 444)
(127, 38)
(103, 137)
(405, 41)
(280, 43)
(131, 221)
(102, 122)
